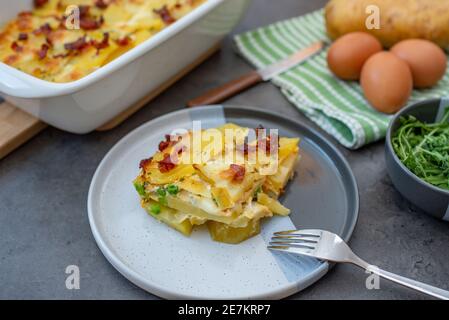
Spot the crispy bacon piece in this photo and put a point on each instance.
(166, 164)
(124, 41)
(43, 51)
(77, 45)
(165, 143)
(87, 22)
(40, 3)
(91, 23)
(101, 4)
(84, 11)
(104, 43)
(144, 162)
(23, 36)
(16, 47)
(43, 29)
(238, 172)
(165, 15)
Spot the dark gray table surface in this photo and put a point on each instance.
(44, 186)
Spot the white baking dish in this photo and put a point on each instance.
(86, 104)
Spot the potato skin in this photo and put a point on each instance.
(399, 20)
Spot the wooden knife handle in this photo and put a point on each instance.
(227, 90)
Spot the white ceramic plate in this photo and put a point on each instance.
(160, 260)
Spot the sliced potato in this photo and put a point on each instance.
(168, 216)
(274, 205)
(224, 233)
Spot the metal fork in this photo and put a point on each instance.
(325, 245)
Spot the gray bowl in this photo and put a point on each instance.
(431, 199)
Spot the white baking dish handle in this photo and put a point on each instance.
(15, 83)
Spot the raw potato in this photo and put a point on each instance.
(399, 20)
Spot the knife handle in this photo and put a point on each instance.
(227, 90)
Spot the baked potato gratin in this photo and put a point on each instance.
(230, 189)
(65, 40)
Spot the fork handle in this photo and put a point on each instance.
(413, 284)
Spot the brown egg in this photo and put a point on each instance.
(348, 53)
(386, 81)
(426, 60)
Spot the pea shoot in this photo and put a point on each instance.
(424, 149)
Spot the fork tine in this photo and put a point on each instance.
(294, 250)
(296, 238)
(302, 232)
(292, 244)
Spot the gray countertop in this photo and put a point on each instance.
(44, 186)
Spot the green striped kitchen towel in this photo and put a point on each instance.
(338, 107)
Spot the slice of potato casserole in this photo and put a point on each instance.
(228, 178)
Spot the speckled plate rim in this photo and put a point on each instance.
(279, 293)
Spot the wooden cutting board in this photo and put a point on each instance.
(17, 126)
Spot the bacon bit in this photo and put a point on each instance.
(40, 3)
(16, 47)
(144, 162)
(84, 11)
(124, 41)
(43, 51)
(49, 41)
(165, 15)
(166, 165)
(104, 43)
(238, 172)
(165, 144)
(44, 29)
(77, 45)
(23, 36)
(101, 4)
(90, 23)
